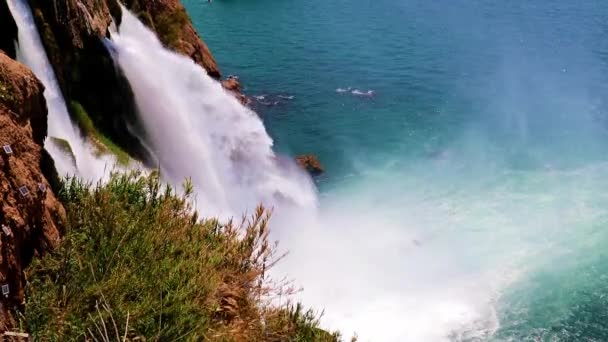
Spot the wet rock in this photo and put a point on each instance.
(233, 85)
(311, 164)
(64, 146)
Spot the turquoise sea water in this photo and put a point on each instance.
(468, 196)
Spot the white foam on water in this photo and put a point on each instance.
(358, 92)
(424, 250)
(391, 273)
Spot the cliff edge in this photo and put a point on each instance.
(30, 215)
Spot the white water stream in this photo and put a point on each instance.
(30, 52)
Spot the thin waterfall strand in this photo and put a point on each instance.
(31, 52)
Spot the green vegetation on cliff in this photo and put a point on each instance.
(6, 91)
(103, 143)
(170, 26)
(137, 261)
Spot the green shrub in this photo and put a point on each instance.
(136, 262)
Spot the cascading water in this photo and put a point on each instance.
(198, 130)
(467, 200)
(462, 243)
(30, 51)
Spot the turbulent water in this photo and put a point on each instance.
(198, 130)
(466, 153)
(30, 52)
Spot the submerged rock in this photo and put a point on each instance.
(30, 215)
(310, 163)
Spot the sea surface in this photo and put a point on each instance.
(466, 152)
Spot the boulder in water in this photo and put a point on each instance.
(232, 84)
(310, 163)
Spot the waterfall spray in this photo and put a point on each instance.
(196, 129)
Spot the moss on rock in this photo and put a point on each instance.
(170, 26)
(64, 146)
(103, 144)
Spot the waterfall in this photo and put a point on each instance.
(197, 129)
(30, 52)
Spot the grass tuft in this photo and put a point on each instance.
(137, 263)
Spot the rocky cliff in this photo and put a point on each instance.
(30, 215)
(72, 33)
(170, 21)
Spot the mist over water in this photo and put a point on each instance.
(462, 244)
(30, 52)
(466, 199)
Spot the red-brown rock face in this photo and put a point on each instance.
(233, 85)
(30, 215)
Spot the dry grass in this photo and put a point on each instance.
(137, 263)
